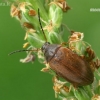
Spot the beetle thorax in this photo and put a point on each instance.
(49, 50)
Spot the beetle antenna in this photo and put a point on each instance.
(21, 51)
(41, 25)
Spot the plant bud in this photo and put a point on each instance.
(55, 37)
(55, 14)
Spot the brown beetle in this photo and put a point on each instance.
(66, 63)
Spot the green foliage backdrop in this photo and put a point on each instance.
(25, 81)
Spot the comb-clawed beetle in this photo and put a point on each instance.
(67, 64)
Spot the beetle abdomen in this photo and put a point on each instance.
(71, 67)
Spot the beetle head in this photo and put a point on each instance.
(45, 47)
(49, 50)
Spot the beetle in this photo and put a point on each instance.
(65, 63)
(68, 64)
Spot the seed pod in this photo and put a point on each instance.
(28, 25)
(32, 12)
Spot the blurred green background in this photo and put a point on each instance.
(25, 81)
